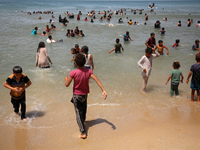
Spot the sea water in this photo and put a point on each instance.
(48, 97)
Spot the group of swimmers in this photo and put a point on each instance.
(18, 82)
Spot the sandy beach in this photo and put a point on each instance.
(176, 127)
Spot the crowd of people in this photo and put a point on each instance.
(18, 82)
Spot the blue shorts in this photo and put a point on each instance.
(195, 85)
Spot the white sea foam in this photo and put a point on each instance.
(104, 105)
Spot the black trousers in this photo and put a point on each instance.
(16, 104)
(80, 105)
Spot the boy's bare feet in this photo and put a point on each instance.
(83, 136)
(23, 118)
(144, 92)
(16, 113)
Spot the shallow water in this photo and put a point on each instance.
(48, 98)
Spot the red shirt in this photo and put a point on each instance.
(81, 81)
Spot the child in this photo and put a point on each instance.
(81, 33)
(50, 40)
(88, 58)
(162, 31)
(198, 24)
(195, 82)
(189, 23)
(196, 45)
(77, 48)
(86, 19)
(78, 17)
(74, 53)
(151, 42)
(179, 24)
(175, 78)
(160, 47)
(177, 43)
(76, 31)
(34, 32)
(68, 32)
(17, 83)
(81, 78)
(146, 17)
(118, 47)
(127, 36)
(47, 29)
(130, 22)
(53, 27)
(146, 64)
(64, 24)
(45, 34)
(42, 58)
(72, 33)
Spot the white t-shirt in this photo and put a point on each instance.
(49, 41)
(146, 63)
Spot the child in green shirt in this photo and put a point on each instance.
(175, 75)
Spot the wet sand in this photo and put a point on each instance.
(115, 128)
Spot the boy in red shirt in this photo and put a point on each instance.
(81, 78)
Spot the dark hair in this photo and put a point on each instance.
(198, 22)
(127, 32)
(149, 50)
(81, 31)
(176, 64)
(85, 50)
(17, 69)
(198, 57)
(188, 19)
(74, 51)
(36, 28)
(50, 37)
(152, 34)
(179, 21)
(177, 41)
(117, 40)
(40, 45)
(196, 41)
(44, 32)
(160, 41)
(76, 45)
(80, 60)
(163, 28)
